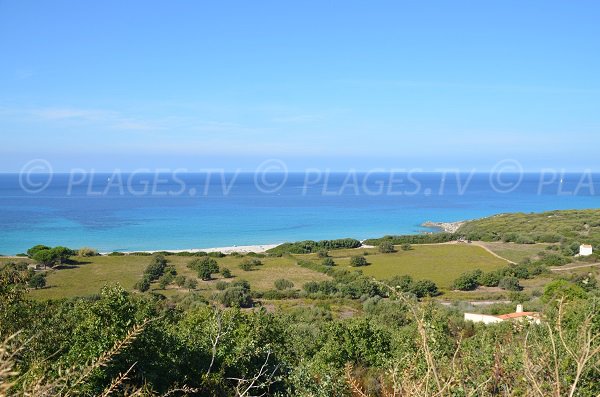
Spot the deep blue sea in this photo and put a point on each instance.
(146, 211)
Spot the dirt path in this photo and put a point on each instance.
(562, 269)
(479, 244)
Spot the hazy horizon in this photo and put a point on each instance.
(344, 85)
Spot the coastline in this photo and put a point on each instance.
(242, 249)
(447, 227)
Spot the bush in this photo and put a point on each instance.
(328, 262)
(386, 247)
(490, 279)
(282, 284)
(38, 280)
(510, 284)
(180, 280)
(357, 261)
(424, 288)
(249, 264)
(406, 247)
(226, 273)
(217, 254)
(467, 281)
(221, 285)
(401, 283)
(87, 252)
(322, 254)
(235, 297)
(191, 283)
(116, 253)
(311, 287)
(245, 285)
(143, 284)
(165, 280)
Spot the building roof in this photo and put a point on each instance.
(517, 315)
(586, 246)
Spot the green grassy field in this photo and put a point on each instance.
(440, 263)
(88, 277)
(515, 252)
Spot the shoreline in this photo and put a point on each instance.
(242, 249)
(447, 227)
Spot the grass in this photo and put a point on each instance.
(515, 252)
(92, 274)
(440, 263)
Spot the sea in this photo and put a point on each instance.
(178, 211)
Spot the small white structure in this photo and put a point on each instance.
(518, 315)
(585, 250)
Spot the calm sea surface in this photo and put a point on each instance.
(182, 211)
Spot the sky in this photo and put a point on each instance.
(316, 84)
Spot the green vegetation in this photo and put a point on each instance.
(205, 267)
(282, 284)
(386, 247)
(308, 246)
(358, 260)
(546, 227)
(185, 343)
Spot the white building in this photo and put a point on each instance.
(518, 315)
(585, 250)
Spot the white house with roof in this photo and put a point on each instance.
(585, 250)
(518, 315)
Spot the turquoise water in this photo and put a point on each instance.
(146, 211)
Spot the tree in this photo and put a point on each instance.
(205, 267)
(510, 284)
(63, 253)
(45, 257)
(358, 260)
(32, 251)
(156, 267)
(328, 262)
(38, 280)
(386, 247)
(191, 283)
(282, 284)
(143, 284)
(226, 273)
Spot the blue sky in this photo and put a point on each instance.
(338, 84)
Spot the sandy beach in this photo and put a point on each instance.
(243, 249)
